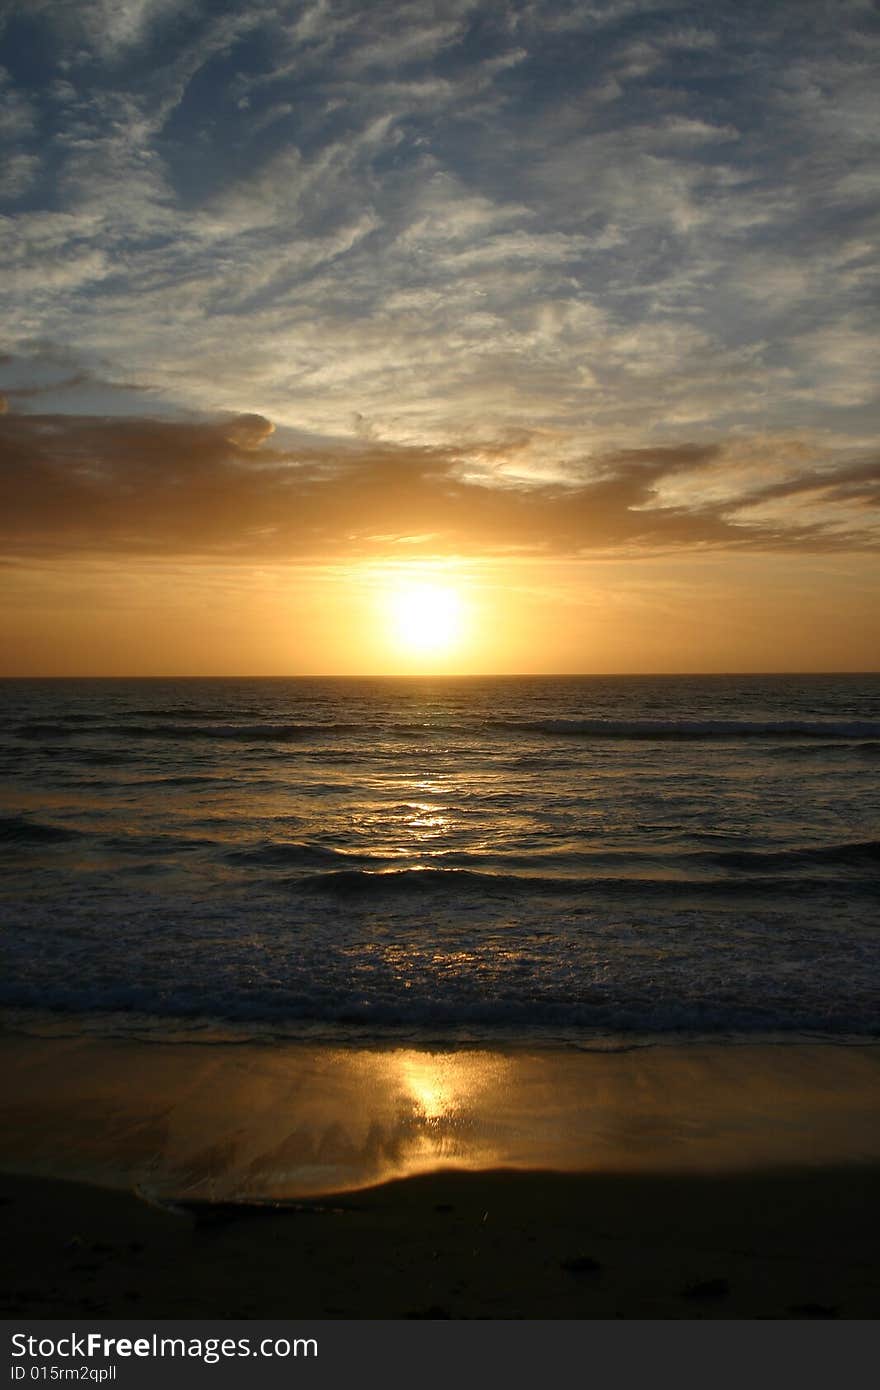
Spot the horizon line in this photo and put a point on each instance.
(436, 675)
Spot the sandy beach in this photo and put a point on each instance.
(458, 1245)
(244, 1181)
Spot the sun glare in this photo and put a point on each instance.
(426, 618)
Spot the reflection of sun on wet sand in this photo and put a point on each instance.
(659, 1182)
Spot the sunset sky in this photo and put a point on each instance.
(348, 337)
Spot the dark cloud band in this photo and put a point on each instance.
(79, 484)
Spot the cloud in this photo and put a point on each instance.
(48, 373)
(605, 224)
(17, 175)
(17, 115)
(231, 487)
(108, 27)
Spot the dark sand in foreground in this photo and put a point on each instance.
(668, 1182)
(457, 1245)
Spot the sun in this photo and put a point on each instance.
(426, 619)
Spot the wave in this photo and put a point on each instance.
(244, 733)
(290, 854)
(868, 748)
(101, 757)
(497, 863)
(187, 779)
(145, 844)
(573, 1022)
(547, 866)
(693, 728)
(278, 733)
(195, 725)
(857, 853)
(791, 736)
(19, 830)
(44, 729)
(456, 883)
(367, 882)
(207, 713)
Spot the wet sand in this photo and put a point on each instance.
(238, 1121)
(668, 1182)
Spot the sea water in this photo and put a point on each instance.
(588, 860)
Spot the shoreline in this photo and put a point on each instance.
(245, 1122)
(700, 1181)
(26, 1021)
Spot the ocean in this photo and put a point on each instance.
(587, 861)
